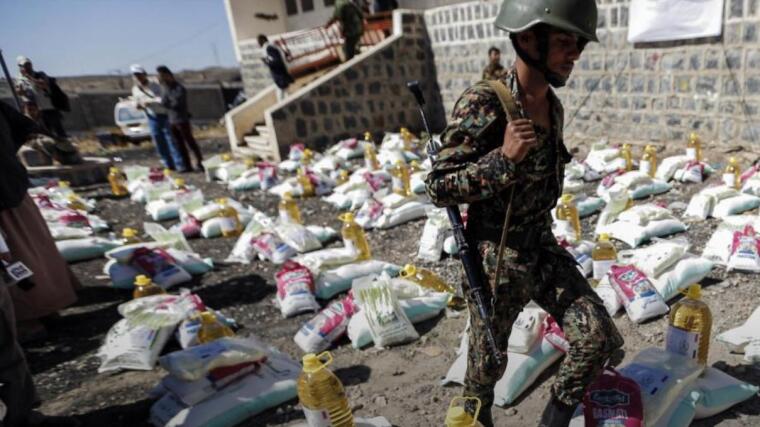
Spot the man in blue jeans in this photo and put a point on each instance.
(147, 95)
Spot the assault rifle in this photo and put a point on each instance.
(473, 266)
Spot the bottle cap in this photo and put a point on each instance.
(604, 237)
(732, 160)
(346, 217)
(114, 169)
(694, 292)
(457, 415)
(567, 198)
(208, 317)
(179, 182)
(367, 136)
(408, 270)
(313, 362)
(221, 201)
(287, 195)
(142, 280)
(693, 136)
(128, 232)
(167, 172)
(226, 157)
(64, 184)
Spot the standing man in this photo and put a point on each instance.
(494, 69)
(275, 60)
(174, 98)
(147, 95)
(35, 87)
(351, 24)
(500, 166)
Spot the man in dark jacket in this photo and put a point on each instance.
(42, 92)
(174, 98)
(275, 60)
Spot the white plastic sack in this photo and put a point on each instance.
(662, 376)
(609, 296)
(160, 210)
(669, 165)
(738, 338)
(334, 281)
(297, 237)
(196, 362)
(387, 321)
(400, 215)
(655, 259)
(736, 205)
(130, 346)
(319, 333)
(295, 290)
(84, 249)
(720, 391)
(687, 271)
(634, 235)
(639, 297)
(434, 233)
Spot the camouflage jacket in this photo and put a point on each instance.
(494, 71)
(470, 168)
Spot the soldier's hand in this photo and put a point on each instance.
(519, 138)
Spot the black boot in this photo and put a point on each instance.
(557, 414)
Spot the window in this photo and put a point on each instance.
(329, 2)
(291, 7)
(307, 5)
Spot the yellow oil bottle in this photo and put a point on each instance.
(118, 182)
(129, 236)
(694, 147)
(305, 181)
(74, 202)
(566, 211)
(689, 326)
(288, 209)
(414, 165)
(212, 329)
(168, 173)
(626, 154)
(370, 153)
(354, 237)
(648, 163)
(732, 174)
(307, 156)
(180, 184)
(603, 256)
(226, 157)
(402, 183)
(458, 416)
(249, 163)
(144, 287)
(429, 280)
(406, 136)
(342, 177)
(231, 226)
(322, 395)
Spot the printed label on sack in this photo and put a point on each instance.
(651, 380)
(601, 268)
(691, 153)
(317, 417)
(729, 179)
(679, 341)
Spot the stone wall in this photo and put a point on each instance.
(367, 93)
(654, 92)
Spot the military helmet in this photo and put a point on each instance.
(575, 16)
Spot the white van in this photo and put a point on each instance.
(132, 122)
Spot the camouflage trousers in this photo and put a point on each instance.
(548, 275)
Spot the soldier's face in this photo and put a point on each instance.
(495, 57)
(564, 50)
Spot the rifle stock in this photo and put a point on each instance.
(473, 266)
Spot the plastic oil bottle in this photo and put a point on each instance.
(566, 211)
(694, 147)
(342, 177)
(305, 181)
(414, 165)
(288, 209)
(648, 163)
(74, 202)
(457, 415)
(370, 154)
(402, 183)
(354, 237)
(626, 154)
(118, 182)
(212, 329)
(429, 280)
(144, 287)
(732, 174)
(689, 326)
(180, 184)
(129, 236)
(231, 226)
(604, 256)
(406, 136)
(307, 156)
(322, 395)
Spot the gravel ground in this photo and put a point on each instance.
(401, 383)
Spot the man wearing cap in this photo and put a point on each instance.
(147, 96)
(41, 95)
(503, 153)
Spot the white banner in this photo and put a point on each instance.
(661, 20)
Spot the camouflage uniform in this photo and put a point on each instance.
(493, 71)
(471, 169)
(352, 24)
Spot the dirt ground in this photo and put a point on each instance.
(401, 383)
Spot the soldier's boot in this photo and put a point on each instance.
(556, 414)
(484, 416)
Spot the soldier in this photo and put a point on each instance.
(351, 24)
(500, 166)
(494, 69)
